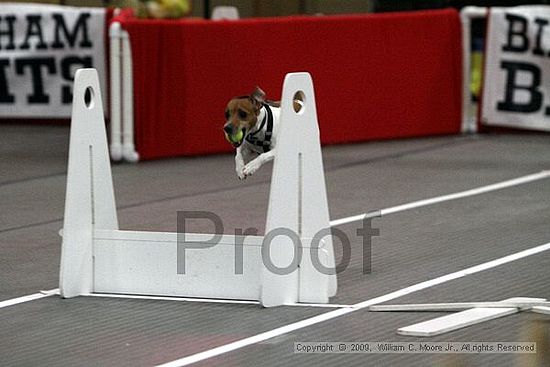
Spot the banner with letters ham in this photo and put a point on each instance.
(516, 86)
(41, 47)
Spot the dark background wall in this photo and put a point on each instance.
(262, 8)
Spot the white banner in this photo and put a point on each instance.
(516, 87)
(41, 46)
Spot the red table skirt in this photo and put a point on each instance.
(376, 76)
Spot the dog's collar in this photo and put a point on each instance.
(265, 144)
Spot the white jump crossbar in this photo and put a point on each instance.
(98, 257)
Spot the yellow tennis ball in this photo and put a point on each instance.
(236, 138)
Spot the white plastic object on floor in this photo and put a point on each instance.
(459, 306)
(541, 309)
(466, 318)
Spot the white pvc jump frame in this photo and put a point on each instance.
(122, 110)
(98, 257)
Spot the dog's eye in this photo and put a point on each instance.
(227, 115)
(242, 114)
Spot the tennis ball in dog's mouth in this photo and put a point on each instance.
(237, 137)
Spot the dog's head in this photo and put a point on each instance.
(241, 115)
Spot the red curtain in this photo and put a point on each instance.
(376, 76)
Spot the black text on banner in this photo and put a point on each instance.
(41, 46)
(516, 89)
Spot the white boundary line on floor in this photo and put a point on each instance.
(55, 292)
(30, 297)
(355, 218)
(439, 199)
(226, 348)
(207, 300)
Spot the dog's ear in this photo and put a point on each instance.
(258, 95)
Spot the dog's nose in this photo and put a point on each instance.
(228, 128)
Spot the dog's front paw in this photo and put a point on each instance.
(252, 167)
(240, 172)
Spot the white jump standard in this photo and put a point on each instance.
(98, 257)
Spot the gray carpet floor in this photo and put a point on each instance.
(413, 246)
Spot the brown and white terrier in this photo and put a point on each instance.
(251, 127)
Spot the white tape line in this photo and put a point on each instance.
(168, 298)
(30, 297)
(439, 199)
(51, 292)
(541, 309)
(185, 361)
(206, 300)
(320, 305)
(55, 291)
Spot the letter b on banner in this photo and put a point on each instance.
(513, 88)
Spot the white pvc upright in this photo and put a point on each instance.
(466, 16)
(97, 257)
(128, 149)
(122, 94)
(116, 99)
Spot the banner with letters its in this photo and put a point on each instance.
(41, 47)
(516, 87)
